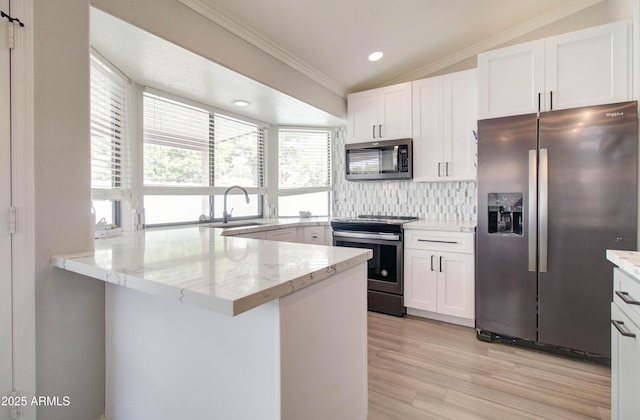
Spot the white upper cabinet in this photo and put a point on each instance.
(444, 121)
(510, 80)
(380, 114)
(587, 67)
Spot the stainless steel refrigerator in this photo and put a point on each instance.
(554, 192)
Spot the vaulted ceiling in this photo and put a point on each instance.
(334, 37)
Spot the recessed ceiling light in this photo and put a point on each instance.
(242, 103)
(375, 56)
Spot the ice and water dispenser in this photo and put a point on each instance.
(505, 213)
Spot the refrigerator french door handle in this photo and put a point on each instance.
(532, 211)
(543, 198)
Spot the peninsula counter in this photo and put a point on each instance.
(202, 325)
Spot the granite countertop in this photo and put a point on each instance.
(442, 225)
(628, 261)
(202, 267)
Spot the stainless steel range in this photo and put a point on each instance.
(384, 236)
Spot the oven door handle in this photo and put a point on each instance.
(362, 235)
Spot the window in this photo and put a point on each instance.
(304, 165)
(192, 155)
(110, 163)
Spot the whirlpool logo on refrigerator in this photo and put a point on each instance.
(614, 114)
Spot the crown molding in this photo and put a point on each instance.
(265, 45)
(494, 41)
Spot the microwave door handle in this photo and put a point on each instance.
(395, 158)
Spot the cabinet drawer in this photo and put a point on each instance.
(314, 235)
(626, 293)
(439, 241)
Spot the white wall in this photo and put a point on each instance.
(69, 308)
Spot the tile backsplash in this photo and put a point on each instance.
(427, 200)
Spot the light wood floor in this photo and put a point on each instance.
(422, 369)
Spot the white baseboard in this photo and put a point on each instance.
(467, 322)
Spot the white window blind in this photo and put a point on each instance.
(191, 150)
(176, 144)
(304, 160)
(110, 162)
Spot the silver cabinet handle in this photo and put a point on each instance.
(439, 165)
(532, 213)
(432, 263)
(438, 242)
(374, 131)
(441, 264)
(626, 298)
(622, 329)
(446, 169)
(380, 130)
(543, 223)
(551, 100)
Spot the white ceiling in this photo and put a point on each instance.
(329, 41)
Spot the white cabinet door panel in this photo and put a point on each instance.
(394, 112)
(362, 116)
(588, 67)
(455, 285)
(460, 121)
(428, 128)
(510, 79)
(420, 280)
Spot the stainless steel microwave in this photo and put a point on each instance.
(379, 160)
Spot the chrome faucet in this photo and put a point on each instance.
(225, 215)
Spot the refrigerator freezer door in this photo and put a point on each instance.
(592, 184)
(505, 288)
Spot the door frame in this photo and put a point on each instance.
(23, 199)
(7, 332)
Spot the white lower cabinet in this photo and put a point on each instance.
(282, 235)
(318, 235)
(439, 283)
(252, 235)
(625, 347)
(314, 235)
